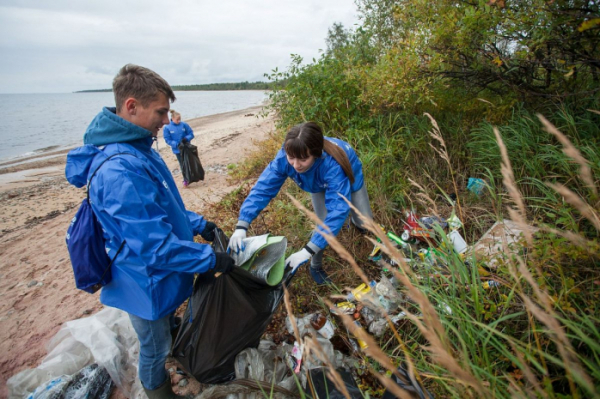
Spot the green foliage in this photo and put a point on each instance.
(321, 92)
(530, 50)
(473, 66)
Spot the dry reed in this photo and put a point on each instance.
(585, 172)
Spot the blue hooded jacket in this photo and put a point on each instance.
(174, 133)
(135, 199)
(325, 175)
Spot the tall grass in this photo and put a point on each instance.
(535, 154)
(535, 335)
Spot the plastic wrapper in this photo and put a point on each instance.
(378, 327)
(264, 257)
(303, 324)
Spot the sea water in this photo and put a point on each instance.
(38, 123)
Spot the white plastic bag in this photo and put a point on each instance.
(106, 338)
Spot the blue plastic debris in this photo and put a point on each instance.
(475, 185)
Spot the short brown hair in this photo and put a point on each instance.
(140, 83)
(307, 139)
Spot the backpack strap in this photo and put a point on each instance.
(88, 200)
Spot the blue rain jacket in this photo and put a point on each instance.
(325, 175)
(174, 133)
(135, 199)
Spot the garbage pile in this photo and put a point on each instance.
(420, 237)
(368, 305)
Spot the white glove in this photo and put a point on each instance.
(236, 243)
(298, 259)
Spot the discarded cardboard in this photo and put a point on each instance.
(490, 246)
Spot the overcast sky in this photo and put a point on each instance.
(58, 46)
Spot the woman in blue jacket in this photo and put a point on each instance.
(174, 133)
(323, 166)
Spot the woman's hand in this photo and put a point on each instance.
(236, 242)
(298, 259)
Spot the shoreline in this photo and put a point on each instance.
(23, 170)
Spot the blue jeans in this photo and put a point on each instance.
(155, 345)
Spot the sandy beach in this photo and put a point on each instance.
(37, 291)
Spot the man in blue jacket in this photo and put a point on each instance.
(136, 201)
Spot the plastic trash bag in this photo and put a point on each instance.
(326, 389)
(224, 316)
(106, 338)
(410, 384)
(91, 382)
(192, 168)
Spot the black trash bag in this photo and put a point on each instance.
(192, 168)
(224, 316)
(326, 389)
(409, 384)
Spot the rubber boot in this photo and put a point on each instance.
(164, 392)
(319, 275)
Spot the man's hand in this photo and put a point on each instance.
(209, 231)
(224, 263)
(236, 243)
(298, 259)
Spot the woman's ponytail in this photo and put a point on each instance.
(341, 157)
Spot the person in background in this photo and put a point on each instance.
(176, 132)
(136, 200)
(323, 166)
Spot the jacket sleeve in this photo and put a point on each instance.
(266, 188)
(169, 139)
(197, 221)
(190, 133)
(337, 208)
(132, 204)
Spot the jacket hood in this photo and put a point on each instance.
(79, 162)
(107, 128)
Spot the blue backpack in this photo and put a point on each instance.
(85, 242)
